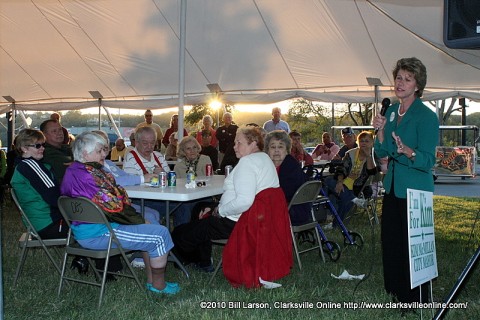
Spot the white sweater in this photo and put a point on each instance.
(252, 174)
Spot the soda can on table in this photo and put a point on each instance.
(154, 182)
(172, 179)
(208, 170)
(228, 169)
(162, 179)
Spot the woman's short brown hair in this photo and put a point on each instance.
(416, 67)
(26, 137)
(252, 134)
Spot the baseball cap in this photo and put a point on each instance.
(347, 130)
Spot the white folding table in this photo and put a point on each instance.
(179, 193)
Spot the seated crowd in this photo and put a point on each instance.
(252, 213)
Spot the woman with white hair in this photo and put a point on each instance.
(207, 125)
(86, 178)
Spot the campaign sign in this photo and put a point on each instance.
(421, 237)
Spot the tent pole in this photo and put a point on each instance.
(11, 126)
(333, 114)
(112, 121)
(99, 113)
(181, 71)
(24, 119)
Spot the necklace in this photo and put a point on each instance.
(192, 164)
(401, 114)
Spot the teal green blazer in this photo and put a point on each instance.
(419, 130)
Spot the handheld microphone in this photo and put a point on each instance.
(385, 105)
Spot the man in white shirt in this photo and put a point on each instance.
(149, 123)
(276, 123)
(143, 159)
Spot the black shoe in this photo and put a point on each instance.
(81, 264)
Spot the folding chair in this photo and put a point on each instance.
(220, 242)
(30, 239)
(84, 210)
(372, 201)
(306, 193)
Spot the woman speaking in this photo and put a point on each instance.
(408, 135)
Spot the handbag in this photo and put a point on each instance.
(127, 216)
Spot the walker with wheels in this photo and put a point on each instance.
(351, 238)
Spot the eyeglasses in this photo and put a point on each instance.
(36, 145)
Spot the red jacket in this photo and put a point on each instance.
(261, 243)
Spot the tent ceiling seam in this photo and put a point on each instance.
(371, 40)
(426, 42)
(66, 41)
(178, 38)
(99, 50)
(275, 43)
(26, 72)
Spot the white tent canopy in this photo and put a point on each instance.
(53, 52)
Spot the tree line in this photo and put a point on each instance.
(311, 119)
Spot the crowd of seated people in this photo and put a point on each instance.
(267, 170)
(251, 191)
(86, 177)
(349, 178)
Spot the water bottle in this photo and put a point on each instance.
(190, 175)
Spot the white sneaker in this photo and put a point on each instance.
(138, 263)
(359, 202)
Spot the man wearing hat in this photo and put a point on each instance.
(349, 140)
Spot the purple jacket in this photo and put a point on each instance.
(78, 182)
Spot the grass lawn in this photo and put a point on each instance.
(35, 296)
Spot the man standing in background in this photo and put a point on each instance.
(276, 123)
(149, 123)
(226, 139)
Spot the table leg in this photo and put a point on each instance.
(167, 214)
